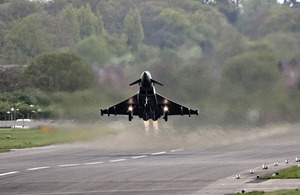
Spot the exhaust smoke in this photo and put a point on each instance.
(155, 125)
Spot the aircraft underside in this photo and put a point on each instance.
(150, 114)
(147, 104)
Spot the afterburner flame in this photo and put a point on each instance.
(146, 127)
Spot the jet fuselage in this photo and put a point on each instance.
(147, 104)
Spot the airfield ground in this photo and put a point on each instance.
(128, 162)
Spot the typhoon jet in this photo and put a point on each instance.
(147, 104)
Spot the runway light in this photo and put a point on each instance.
(257, 177)
(238, 176)
(287, 162)
(275, 164)
(297, 159)
(264, 166)
(251, 171)
(8, 137)
(243, 191)
(130, 108)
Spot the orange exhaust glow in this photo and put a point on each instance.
(155, 125)
(146, 126)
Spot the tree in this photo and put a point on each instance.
(229, 8)
(25, 40)
(254, 70)
(54, 7)
(15, 9)
(59, 72)
(11, 79)
(285, 44)
(283, 20)
(99, 23)
(3, 32)
(87, 21)
(251, 81)
(113, 14)
(134, 29)
(70, 33)
(253, 15)
(93, 50)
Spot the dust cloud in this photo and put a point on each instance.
(133, 137)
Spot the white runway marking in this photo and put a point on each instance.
(117, 160)
(93, 163)
(177, 150)
(158, 153)
(137, 157)
(69, 165)
(9, 173)
(37, 168)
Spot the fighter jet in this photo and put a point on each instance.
(147, 104)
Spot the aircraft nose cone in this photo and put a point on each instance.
(144, 75)
(146, 79)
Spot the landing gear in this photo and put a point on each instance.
(130, 116)
(130, 113)
(166, 117)
(166, 111)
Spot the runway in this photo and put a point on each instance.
(78, 169)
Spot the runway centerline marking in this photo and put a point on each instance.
(158, 153)
(117, 160)
(137, 157)
(93, 163)
(69, 165)
(37, 168)
(177, 150)
(9, 173)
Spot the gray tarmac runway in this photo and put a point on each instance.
(81, 169)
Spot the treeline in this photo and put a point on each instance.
(237, 60)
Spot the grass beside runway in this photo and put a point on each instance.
(280, 192)
(290, 173)
(25, 138)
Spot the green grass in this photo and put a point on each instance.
(26, 138)
(290, 173)
(280, 192)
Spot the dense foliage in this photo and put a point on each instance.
(59, 72)
(237, 60)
